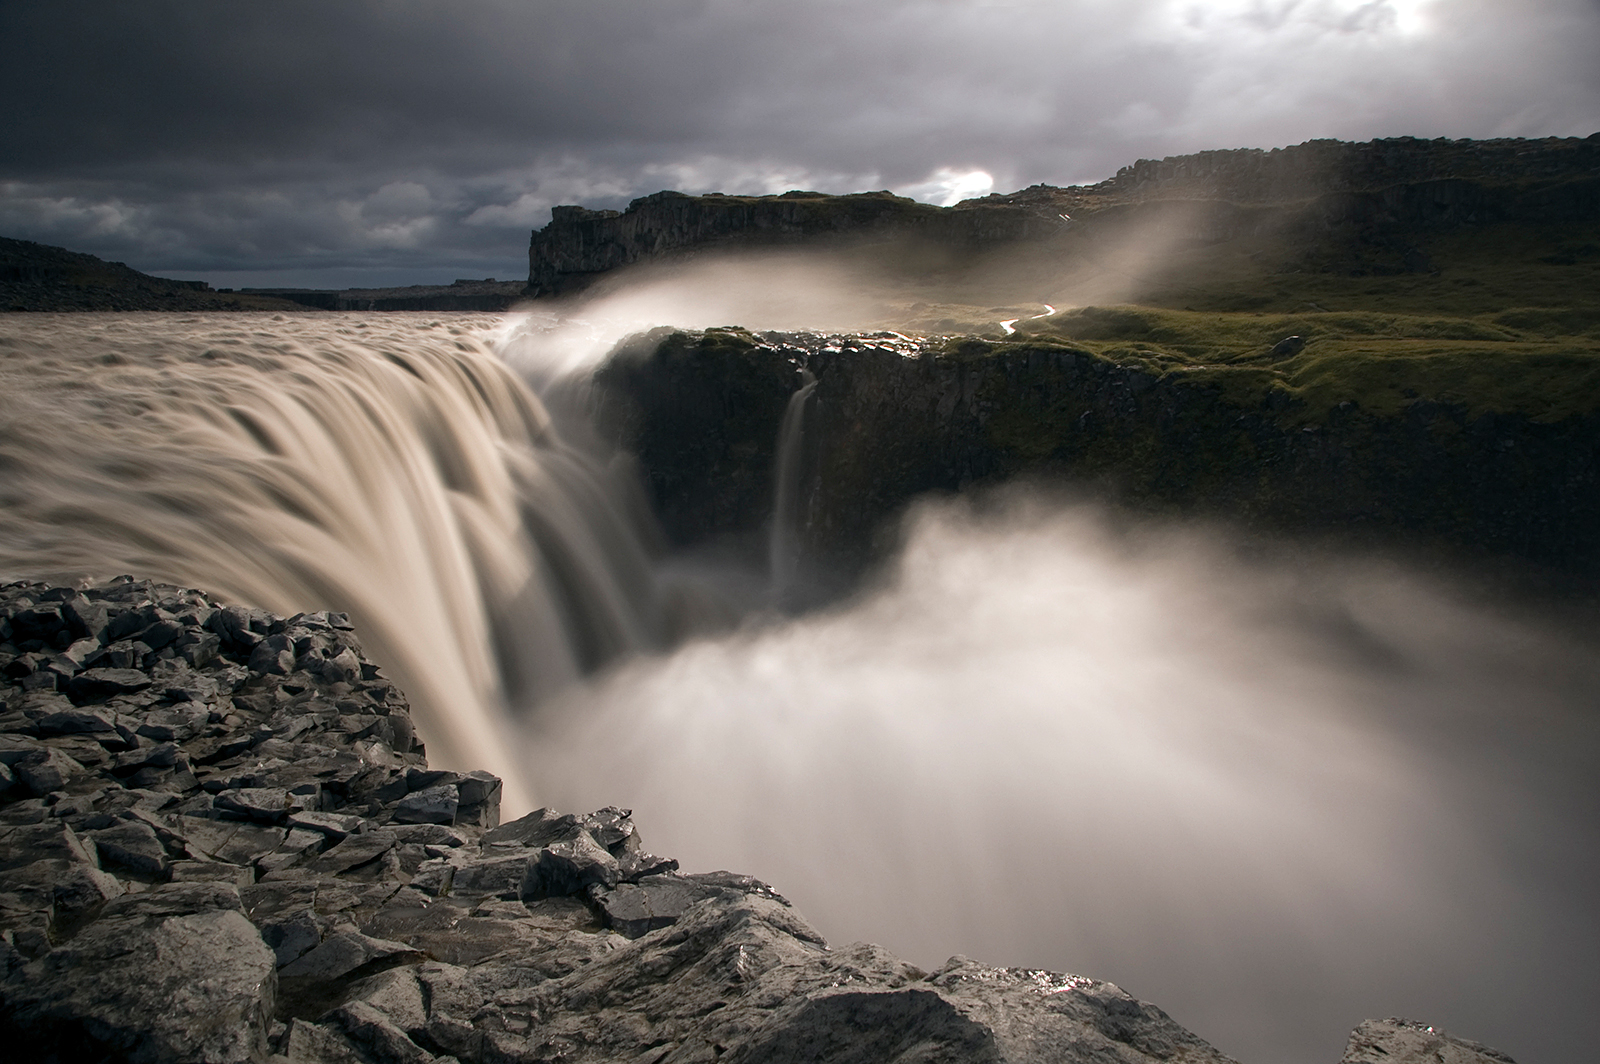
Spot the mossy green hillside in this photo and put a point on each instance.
(1542, 363)
(1464, 272)
(1495, 318)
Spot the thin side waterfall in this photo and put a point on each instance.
(391, 467)
(783, 544)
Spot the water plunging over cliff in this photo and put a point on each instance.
(390, 467)
(783, 553)
(1276, 796)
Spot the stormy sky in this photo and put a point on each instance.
(345, 143)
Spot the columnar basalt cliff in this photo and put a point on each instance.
(893, 418)
(580, 244)
(220, 843)
(1320, 186)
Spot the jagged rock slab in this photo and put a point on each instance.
(195, 987)
(1395, 1041)
(232, 850)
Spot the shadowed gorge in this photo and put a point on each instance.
(1393, 343)
(1488, 448)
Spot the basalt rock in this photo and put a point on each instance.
(42, 277)
(579, 244)
(1377, 189)
(242, 868)
(1395, 1041)
(892, 419)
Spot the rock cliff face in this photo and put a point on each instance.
(1319, 186)
(580, 244)
(892, 418)
(1317, 167)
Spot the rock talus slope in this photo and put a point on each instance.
(220, 842)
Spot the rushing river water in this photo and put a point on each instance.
(1273, 794)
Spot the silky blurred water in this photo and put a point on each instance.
(1274, 792)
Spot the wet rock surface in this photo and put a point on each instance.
(220, 854)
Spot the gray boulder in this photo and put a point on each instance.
(1395, 1041)
(147, 989)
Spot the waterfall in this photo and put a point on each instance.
(1275, 792)
(784, 543)
(389, 466)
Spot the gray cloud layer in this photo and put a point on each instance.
(368, 142)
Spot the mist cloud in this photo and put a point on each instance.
(199, 137)
(1273, 794)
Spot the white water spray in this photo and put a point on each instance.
(391, 467)
(1274, 797)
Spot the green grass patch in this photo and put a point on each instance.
(1544, 364)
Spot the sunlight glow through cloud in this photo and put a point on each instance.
(1406, 17)
(949, 186)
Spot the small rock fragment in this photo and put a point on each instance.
(338, 955)
(97, 685)
(565, 868)
(1396, 1041)
(432, 805)
(190, 988)
(131, 845)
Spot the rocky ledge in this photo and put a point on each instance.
(220, 842)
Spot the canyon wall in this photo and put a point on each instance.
(1321, 186)
(892, 419)
(579, 244)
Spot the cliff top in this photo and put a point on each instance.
(1246, 175)
(1318, 167)
(43, 277)
(1332, 188)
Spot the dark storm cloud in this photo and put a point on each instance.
(431, 136)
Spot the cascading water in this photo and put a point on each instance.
(784, 544)
(390, 467)
(1274, 797)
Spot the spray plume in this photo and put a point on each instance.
(391, 468)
